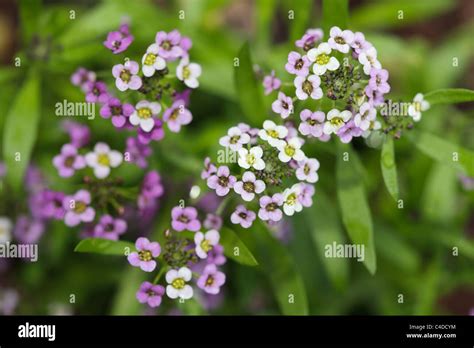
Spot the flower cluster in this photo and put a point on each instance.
(267, 159)
(163, 97)
(344, 70)
(186, 253)
(101, 203)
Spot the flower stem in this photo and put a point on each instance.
(158, 276)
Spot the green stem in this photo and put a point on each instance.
(158, 276)
(223, 204)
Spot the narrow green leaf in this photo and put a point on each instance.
(389, 168)
(444, 151)
(335, 13)
(279, 267)
(450, 96)
(439, 196)
(104, 246)
(396, 13)
(20, 129)
(29, 14)
(249, 90)
(325, 230)
(354, 207)
(230, 241)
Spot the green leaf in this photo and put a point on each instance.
(124, 302)
(229, 240)
(104, 246)
(444, 151)
(335, 13)
(439, 196)
(354, 207)
(323, 223)
(20, 129)
(279, 267)
(389, 168)
(191, 307)
(249, 90)
(303, 10)
(450, 96)
(30, 11)
(385, 14)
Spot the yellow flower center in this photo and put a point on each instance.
(307, 87)
(417, 106)
(186, 72)
(340, 40)
(150, 59)
(144, 113)
(209, 280)
(145, 255)
(103, 159)
(291, 199)
(205, 245)
(289, 150)
(125, 75)
(306, 169)
(249, 186)
(79, 207)
(337, 121)
(178, 283)
(272, 133)
(234, 139)
(322, 59)
(250, 159)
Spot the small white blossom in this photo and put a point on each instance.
(272, 133)
(419, 104)
(290, 150)
(188, 73)
(252, 158)
(5, 230)
(205, 242)
(144, 114)
(368, 59)
(322, 59)
(234, 139)
(102, 159)
(335, 120)
(151, 61)
(291, 204)
(177, 280)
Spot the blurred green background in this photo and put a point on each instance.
(414, 245)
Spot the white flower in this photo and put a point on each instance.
(322, 60)
(290, 150)
(340, 40)
(144, 113)
(177, 283)
(102, 159)
(291, 204)
(419, 104)
(188, 73)
(205, 242)
(5, 230)
(374, 125)
(272, 133)
(368, 59)
(335, 120)
(234, 139)
(252, 158)
(366, 114)
(151, 61)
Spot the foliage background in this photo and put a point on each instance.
(413, 246)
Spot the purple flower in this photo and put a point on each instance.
(308, 87)
(467, 182)
(78, 133)
(211, 280)
(306, 195)
(375, 98)
(252, 132)
(77, 208)
(118, 111)
(216, 255)
(27, 230)
(150, 294)
(137, 153)
(185, 219)
(340, 40)
(81, 77)
(117, 42)
(177, 115)
(269, 207)
(243, 216)
(307, 170)
(68, 161)
(209, 169)
(34, 179)
(222, 181)
(110, 228)
(151, 189)
(96, 92)
(249, 186)
(51, 205)
(169, 45)
(126, 76)
(157, 133)
(378, 80)
(283, 105)
(184, 95)
(348, 131)
(271, 83)
(147, 251)
(213, 222)
(309, 39)
(185, 43)
(312, 123)
(297, 64)
(359, 44)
